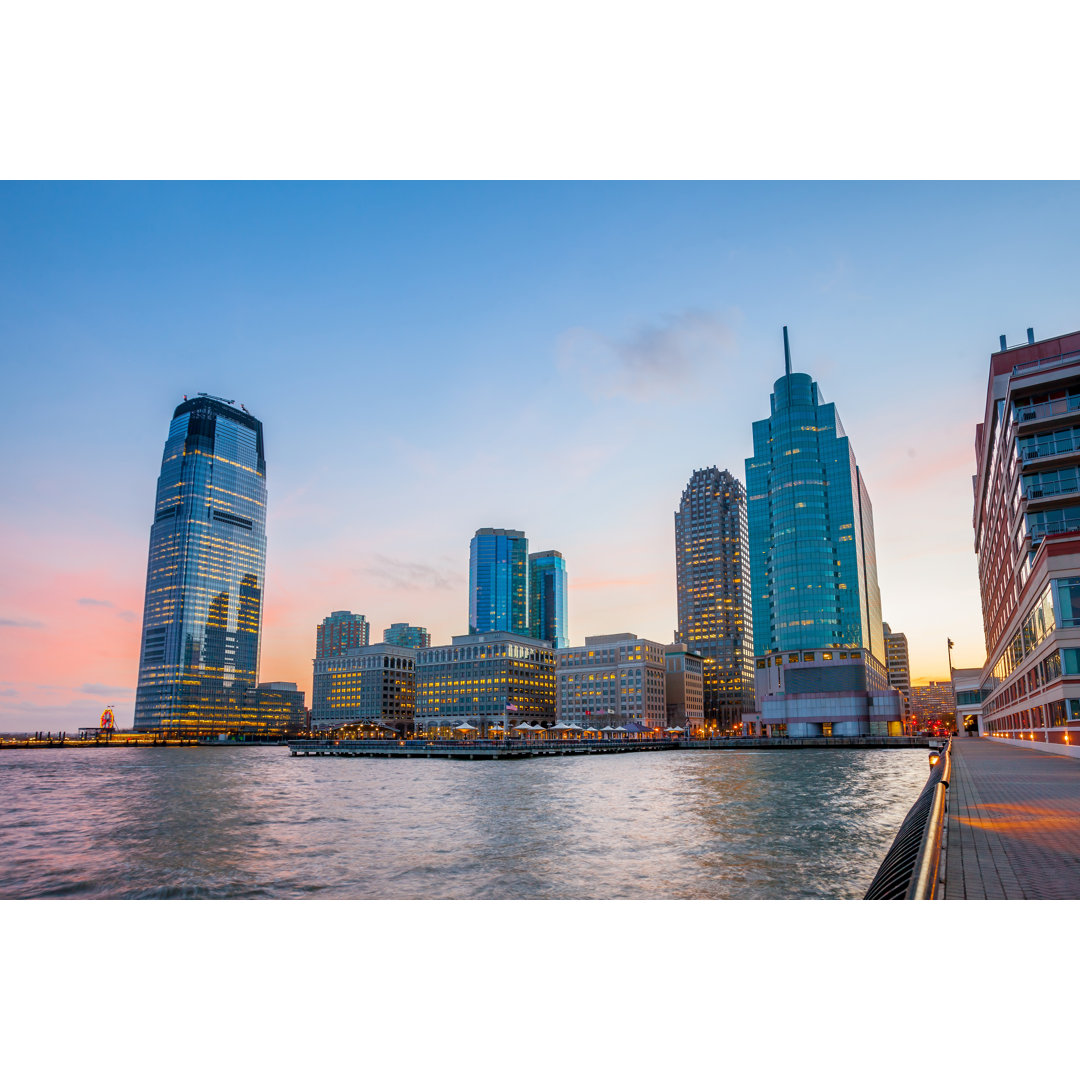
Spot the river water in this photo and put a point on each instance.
(227, 822)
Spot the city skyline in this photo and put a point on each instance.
(636, 369)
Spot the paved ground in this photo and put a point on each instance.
(1014, 823)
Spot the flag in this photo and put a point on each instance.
(950, 641)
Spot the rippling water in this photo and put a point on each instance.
(222, 822)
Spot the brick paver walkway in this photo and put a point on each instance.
(1014, 823)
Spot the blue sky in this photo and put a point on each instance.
(429, 358)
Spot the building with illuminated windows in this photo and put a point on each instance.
(713, 591)
(820, 663)
(412, 637)
(279, 708)
(934, 703)
(547, 598)
(896, 663)
(498, 582)
(199, 650)
(493, 680)
(612, 679)
(339, 632)
(370, 684)
(1027, 538)
(684, 687)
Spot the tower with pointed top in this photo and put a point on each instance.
(813, 568)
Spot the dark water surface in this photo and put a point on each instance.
(224, 822)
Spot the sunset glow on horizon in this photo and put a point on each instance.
(429, 359)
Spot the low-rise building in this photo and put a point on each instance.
(612, 679)
(493, 680)
(279, 708)
(373, 684)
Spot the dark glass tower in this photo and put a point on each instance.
(498, 581)
(547, 598)
(204, 581)
(713, 586)
(813, 566)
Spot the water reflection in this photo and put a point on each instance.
(253, 822)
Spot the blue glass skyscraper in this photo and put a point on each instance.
(498, 581)
(813, 567)
(820, 649)
(205, 575)
(547, 598)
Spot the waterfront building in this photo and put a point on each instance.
(411, 637)
(498, 582)
(496, 679)
(612, 679)
(547, 598)
(278, 707)
(370, 684)
(820, 663)
(897, 664)
(199, 649)
(339, 632)
(933, 704)
(684, 687)
(967, 692)
(713, 591)
(1027, 538)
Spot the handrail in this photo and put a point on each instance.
(911, 868)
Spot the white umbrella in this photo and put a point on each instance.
(675, 730)
(608, 728)
(465, 727)
(523, 727)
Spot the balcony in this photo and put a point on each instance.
(1055, 528)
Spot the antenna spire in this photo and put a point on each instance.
(787, 354)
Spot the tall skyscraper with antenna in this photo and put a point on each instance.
(820, 663)
(205, 575)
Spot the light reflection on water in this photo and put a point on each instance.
(227, 822)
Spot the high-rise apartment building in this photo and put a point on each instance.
(612, 679)
(205, 574)
(410, 637)
(897, 664)
(1027, 537)
(339, 632)
(934, 703)
(820, 664)
(498, 582)
(547, 598)
(713, 591)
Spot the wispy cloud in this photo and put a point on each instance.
(88, 601)
(411, 576)
(98, 690)
(26, 624)
(661, 357)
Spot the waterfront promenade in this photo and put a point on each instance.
(1013, 823)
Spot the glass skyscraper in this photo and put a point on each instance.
(498, 581)
(820, 663)
(813, 567)
(713, 591)
(205, 575)
(547, 598)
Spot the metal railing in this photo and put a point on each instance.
(911, 868)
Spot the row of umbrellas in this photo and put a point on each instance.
(560, 727)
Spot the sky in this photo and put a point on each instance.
(430, 358)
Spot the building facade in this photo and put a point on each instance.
(498, 582)
(489, 680)
(547, 598)
(371, 684)
(1027, 538)
(813, 571)
(897, 663)
(713, 591)
(279, 708)
(410, 637)
(612, 679)
(684, 687)
(339, 632)
(932, 706)
(202, 615)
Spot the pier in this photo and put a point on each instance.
(509, 749)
